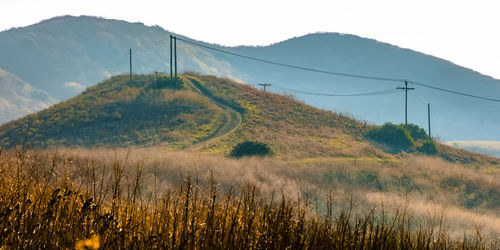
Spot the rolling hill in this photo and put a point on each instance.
(144, 112)
(119, 113)
(200, 113)
(64, 55)
(18, 98)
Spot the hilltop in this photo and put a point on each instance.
(117, 112)
(64, 55)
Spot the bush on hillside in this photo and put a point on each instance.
(428, 147)
(392, 135)
(164, 82)
(251, 148)
(416, 132)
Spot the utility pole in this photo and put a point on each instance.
(265, 85)
(429, 117)
(130, 55)
(405, 88)
(171, 57)
(175, 56)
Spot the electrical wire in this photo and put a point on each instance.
(294, 66)
(454, 92)
(381, 92)
(340, 74)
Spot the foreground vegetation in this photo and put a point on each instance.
(150, 199)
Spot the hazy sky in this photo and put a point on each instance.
(464, 32)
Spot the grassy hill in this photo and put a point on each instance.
(287, 125)
(153, 111)
(117, 112)
(120, 113)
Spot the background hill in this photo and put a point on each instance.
(18, 98)
(64, 55)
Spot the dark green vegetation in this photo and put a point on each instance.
(62, 54)
(396, 138)
(48, 200)
(147, 111)
(250, 148)
(165, 82)
(428, 147)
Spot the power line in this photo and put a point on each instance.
(454, 92)
(382, 92)
(294, 66)
(339, 74)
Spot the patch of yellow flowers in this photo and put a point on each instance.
(93, 242)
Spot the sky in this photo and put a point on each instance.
(464, 32)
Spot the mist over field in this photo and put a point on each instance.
(484, 147)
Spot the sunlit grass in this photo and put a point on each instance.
(148, 198)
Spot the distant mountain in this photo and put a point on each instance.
(66, 54)
(453, 117)
(18, 98)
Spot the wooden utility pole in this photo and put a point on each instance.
(429, 117)
(130, 56)
(175, 57)
(171, 76)
(265, 85)
(405, 88)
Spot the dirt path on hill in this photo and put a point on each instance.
(232, 118)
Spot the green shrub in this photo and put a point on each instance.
(416, 132)
(428, 147)
(392, 135)
(250, 148)
(164, 82)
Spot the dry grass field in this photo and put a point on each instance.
(152, 198)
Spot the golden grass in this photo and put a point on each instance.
(149, 198)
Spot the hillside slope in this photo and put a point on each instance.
(290, 127)
(64, 55)
(18, 98)
(120, 113)
(117, 112)
(204, 114)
